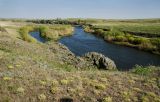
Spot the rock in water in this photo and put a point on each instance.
(100, 61)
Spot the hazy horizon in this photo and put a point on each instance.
(101, 9)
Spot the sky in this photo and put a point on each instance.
(107, 9)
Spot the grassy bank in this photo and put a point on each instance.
(133, 34)
(56, 31)
(143, 34)
(24, 32)
(50, 32)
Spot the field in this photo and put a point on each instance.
(146, 28)
(48, 72)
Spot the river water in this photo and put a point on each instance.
(37, 36)
(124, 57)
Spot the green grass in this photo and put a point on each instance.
(117, 36)
(147, 29)
(145, 71)
(24, 32)
(50, 32)
(55, 31)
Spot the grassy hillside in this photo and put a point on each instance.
(48, 72)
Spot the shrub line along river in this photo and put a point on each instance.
(125, 57)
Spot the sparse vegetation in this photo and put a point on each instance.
(11, 67)
(42, 97)
(64, 82)
(6, 78)
(107, 99)
(20, 90)
(54, 90)
(100, 86)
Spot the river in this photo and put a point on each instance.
(124, 57)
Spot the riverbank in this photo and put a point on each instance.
(125, 58)
(49, 32)
(134, 35)
(142, 34)
(50, 72)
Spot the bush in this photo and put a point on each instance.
(140, 70)
(147, 45)
(120, 38)
(64, 82)
(107, 99)
(88, 29)
(24, 32)
(54, 90)
(53, 32)
(130, 39)
(43, 30)
(99, 32)
(100, 86)
(137, 40)
(20, 90)
(42, 97)
(108, 38)
(156, 42)
(6, 78)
